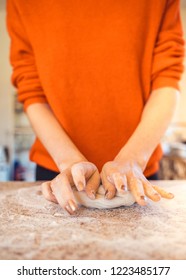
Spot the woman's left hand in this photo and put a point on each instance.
(122, 176)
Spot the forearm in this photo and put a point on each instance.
(52, 135)
(155, 119)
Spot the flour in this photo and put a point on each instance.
(33, 228)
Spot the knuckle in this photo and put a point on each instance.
(109, 178)
(47, 196)
(92, 165)
(116, 175)
(45, 187)
(77, 167)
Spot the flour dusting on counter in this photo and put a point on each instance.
(42, 230)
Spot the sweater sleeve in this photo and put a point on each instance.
(168, 54)
(24, 77)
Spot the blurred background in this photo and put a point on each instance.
(16, 135)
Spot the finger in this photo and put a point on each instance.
(78, 176)
(93, 184)
(110, 190)
(150, 192)
(80, 172)
(125, 182)
(163, 193)
(47, 192)
(63, 192)
(120, 182)
(136, 187)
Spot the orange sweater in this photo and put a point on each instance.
(95, 62)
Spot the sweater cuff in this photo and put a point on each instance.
(32, 101)
(161, 82)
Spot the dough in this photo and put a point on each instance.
(32, 197)
(101, 202)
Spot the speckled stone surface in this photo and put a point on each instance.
(32, 228)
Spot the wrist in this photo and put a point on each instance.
(134, 159)
(66, 163)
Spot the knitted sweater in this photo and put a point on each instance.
(95, 62)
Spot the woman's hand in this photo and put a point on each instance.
(83, 175)
(123, 176)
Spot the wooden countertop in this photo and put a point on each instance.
(32, 228)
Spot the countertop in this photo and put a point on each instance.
(33, 228)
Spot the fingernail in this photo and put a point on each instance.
(68, 209)
(80, 186)
(107, 194)
(92, 195)
(123, 188)
(143, 200)
(72, 205)
(171, 195)
(157, 197)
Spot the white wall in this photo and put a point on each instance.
(6, 90)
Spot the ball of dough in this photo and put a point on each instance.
(126, 199)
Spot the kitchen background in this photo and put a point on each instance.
(16, 135)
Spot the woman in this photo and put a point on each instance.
(99, 84)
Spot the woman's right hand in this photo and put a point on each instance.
(83, 175)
